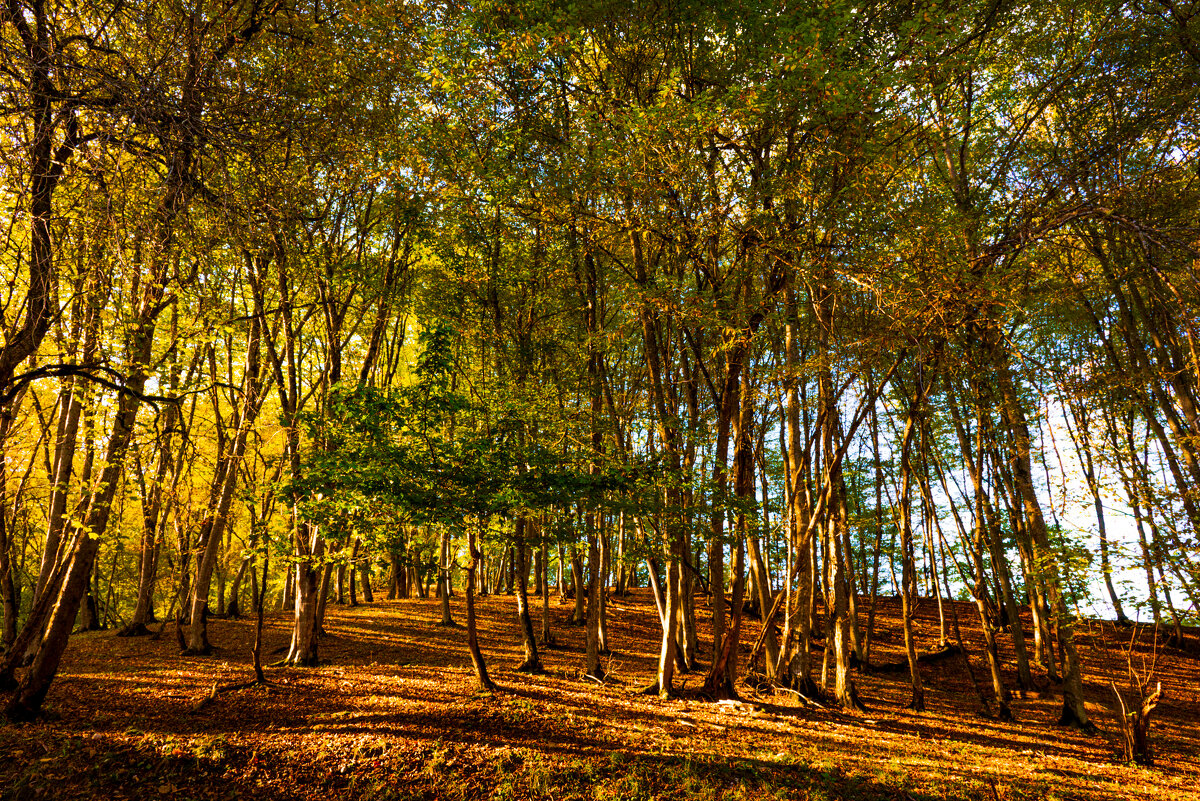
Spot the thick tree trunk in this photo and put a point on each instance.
(368, 593)
(303, 650)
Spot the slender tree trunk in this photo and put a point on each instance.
(547, 635)
(481, 673)
(531, 663)
(917, 701)
(444, 578)
(579, 613)
(593, 600)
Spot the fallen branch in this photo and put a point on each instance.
(204, 700)
(802, 697)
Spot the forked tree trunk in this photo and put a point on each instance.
(154, 515)
(223, 490)
(665, 676)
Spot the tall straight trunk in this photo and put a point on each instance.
(717, 684)
(481, 672)
(974, 546)
(560, 575)
(722, 676)
(928, 513)
(394, 577)
(688, 638)
(233, 607)
(531, 663)
(660, 599)
(835, 511)
(917, 701)
(153, 517)
(368, 594)
(874, 586)
(764, 600)
(684, 659)
(308, 547)
(602, 585)
(539, 587)
(287, 593)
(303, 650)
(593, 602)
(622, 572)
(9, 599)
(579, 613)
(350, 571)
(444, 578)
(1081, 438)
(667, 655)
(547, 635)
(72, 400)
(323, 597)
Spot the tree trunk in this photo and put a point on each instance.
(531, 663)
(481, 673)
(1074, 711)
(593, 602)
(579, 613)
(303, 650)
(547, 635)
(917, 702)
(444, 578)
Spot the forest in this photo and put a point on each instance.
(780, 323)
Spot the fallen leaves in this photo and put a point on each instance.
(394, 714)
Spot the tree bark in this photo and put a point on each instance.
(531, 663)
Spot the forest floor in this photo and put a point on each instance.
(392, 712)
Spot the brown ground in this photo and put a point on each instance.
(393, 713)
